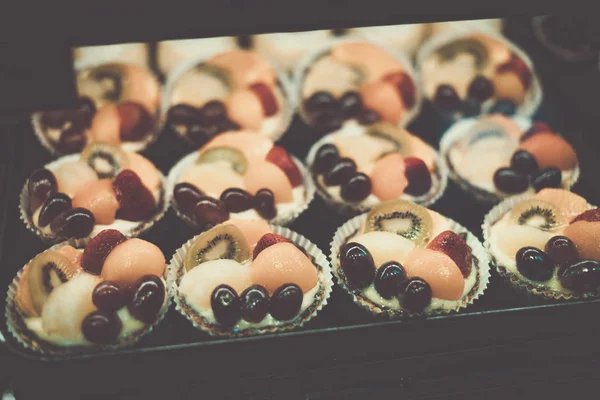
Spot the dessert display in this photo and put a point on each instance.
(79, 195)
(401, 260)
(234, 90)
(495, 156)
(494, 25)
(356, 81)
(466, 73)
(118, 105)
(406, 38)
(246, 277)
(239, 175)
(357, 167)
(547, 244)
(127, 53)
(173, 53)
(75, 297)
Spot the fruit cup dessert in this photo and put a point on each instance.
(355, 169)
(118, 105)
(495, 156)
(406, 38)
(401, 260)
(235, 90)
(239, 175)
(75, 297)
(79, 195)
(245, 277)
(546, 245)
(355, 81)
(470, 72)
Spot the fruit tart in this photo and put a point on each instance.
(495, 156)
(246, 277)
(239, 175)
(118, 105)
(547, 244)
(234, 90)
(402, 260)
(80, 297)
(469, 72)
(357, 167)
(79, 195)
(356, 81)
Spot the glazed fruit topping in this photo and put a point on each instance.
(416, 296)
(73, 223)
(234, 156)
(136, 203)
(81, 115)
(319, 101)
(148, 298)
(481, 89)
(222, 242)
(357, 264)
(326, 156)
(264, 204)
(418, 176)
(509, 181)
(98, 248)
(187, 196)
(201, 134)
(534, 264)
(583, 276)
(286, 302)
(226, 305)
(390, 280)
(266, 97)
(504, 107)
(267, 240)
(357, 188)
(183, 114)
(135, 122)
(405, 86)
(214, 111)
(446, 99)
(255, 303)
(340, 172)
(109, 296)
(368, 117)
(209, 211)
(518, 67)
(280, 157)
(589, 216)
(55, 204)
(41, 185)
(456, 248)
(72, 140)
(550, 177)
(562, 251)
(350, 104)
(524, 162)
(236, 200)
(101, 327)
(471, 107)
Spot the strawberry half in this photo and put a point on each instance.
(98, 248)
(136, 122)
(266, 97)
(405, 86)
(268, 240)
(456, 248)
(518, 67)
(136, 203)
(280, 157)
(589, 216)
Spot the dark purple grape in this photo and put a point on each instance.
(214, 112)
(327, 122)
(187, 196)
(102, 327)
(416, 296)
(480, 89)
(350, 104)
(340, 172)
(320, 101)
(226, 305)
(357, 188)
(200, 134)
(148, 298)
(255, 303)
(357, 264)
(471, 108)
(326, 156)
(583, 276)
(54, 119)
(368, 117)
(446, 99)
(504, 107)
(508, 180)
(41, 185)
(74, 223)
(237, 200)
(109, 296)
(562, 251)
(72, 140)
(390, 279)
(183, 114)
(54, 205)
(534, 264)
(523, 162)
(264, 204)
(83, 113)
(418, 176)
(227, 125)
(550, 177)
(210, 211)
(286, 302)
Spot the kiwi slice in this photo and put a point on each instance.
(236, 158)
(403, 218)
(105, 159)
(538, 214)
(45, 272)
(474, 47)
(399, 137)
(105, 82)
(219, 73)
(223, 241)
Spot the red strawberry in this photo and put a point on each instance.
(405, 86)
(98, 248)
(518, 67)
(536, 127)
(280, 157)
(589, 216)
(135, 121)
(454, 247)
(266, 97)
(136, 203)
(268, 240)
(418, 176)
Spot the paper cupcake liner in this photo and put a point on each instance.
(531, 289)
(534, 95)
(176, 272)
(17, 328)
(563, 53)
(350, 209)
(309, 59)
(143, 226)
(283, 82)
(280, 219)
(460, 129)
(481, 263)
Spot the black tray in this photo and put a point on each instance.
(342, 353)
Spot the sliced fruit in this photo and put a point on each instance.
(280, 157)
(233, 156)
(72, 254)
(144, 168)
(537, 213)
(422, 151)
(569, 203)
(130, 260)
(383, 98)
(200, 85)
(388, 177)
(403, 218)
(105, 159)
(329, 75)
(41, 185)
(497, 51)
(251, 144)
(418, 177)
(385, 246)
(363, 149)
(135, 121)
(245, 67)
(99, 197)
(136, 203)
(508, 85)
(586, 236)
(253, 230)
(589, 216)
(472, 46)
(72, 177)
(456, 248)
(405, 87)
(268, 240)
(510, 238)
(209, 212)
(374, 60)
(213, 178)
(98, 248)
(224, 241)
(283, 263)
(550, 150)
(245, 109)
(106, 125)
(535, 128)
(438, 270)
(518, 67)
(263, 174)
(266, 97)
